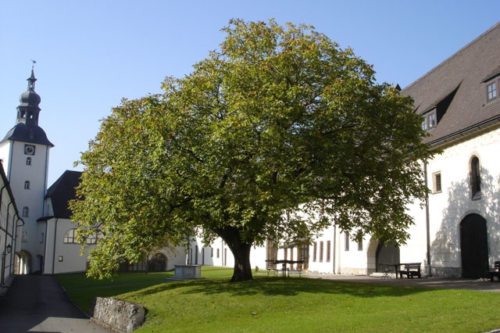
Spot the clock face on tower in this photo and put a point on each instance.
(29, 149)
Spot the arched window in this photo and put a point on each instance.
(27, 185)
(26, 211)
(475, 178)
(70, 237)
(28, 160)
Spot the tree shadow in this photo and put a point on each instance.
(445, 248)
(274, 286)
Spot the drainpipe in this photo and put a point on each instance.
(427, 222)
(45, 245)
(1, 194)
(334, 248)
(14, 237)
(54, 247)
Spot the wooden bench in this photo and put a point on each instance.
(495, 272)
(411, 270)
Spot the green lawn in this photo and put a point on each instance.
(291, 305)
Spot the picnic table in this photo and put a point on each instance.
(495, 272)
(410, 269)
(285, 271)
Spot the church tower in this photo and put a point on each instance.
(25, 156)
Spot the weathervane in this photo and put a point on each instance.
(33, 65)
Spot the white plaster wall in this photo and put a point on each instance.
(354, 261)
(448, 208)
(5, 154)
(322, 266)
(7, 232)
(415, 249)
(176, 255)
(33, 198)
(72, 260)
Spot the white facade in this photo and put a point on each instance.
(27, 174)
(9, 226)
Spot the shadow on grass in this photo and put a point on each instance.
(272, 286)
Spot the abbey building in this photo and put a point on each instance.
(456, 230)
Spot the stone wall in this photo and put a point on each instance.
(118, 315)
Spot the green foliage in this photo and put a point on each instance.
(280, 118)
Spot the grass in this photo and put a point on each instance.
(266, 304)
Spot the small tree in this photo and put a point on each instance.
(279, 119)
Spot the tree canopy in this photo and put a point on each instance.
(280, 119)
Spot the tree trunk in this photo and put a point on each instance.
(241, 252)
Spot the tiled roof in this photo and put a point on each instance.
(28, 133)
(62, 191)
(468, 69)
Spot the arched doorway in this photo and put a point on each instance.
(158, 263)
(22, 263)
(387, 256)
(474, 246)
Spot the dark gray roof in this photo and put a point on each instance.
(28, 133)
(461, 78)
(62, 191)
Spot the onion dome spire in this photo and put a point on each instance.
(28, 109)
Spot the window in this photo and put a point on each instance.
(211, 252)
(27, 185)
(321, 251)
(92, 239)
(360, 245)
(218, 254)
(70, 237)
(328, 250)
(28, 160)
(475, 178)
(436, 182)
(347, 240)
(429, 120)
(491, 91)
(26, 211)
(315, 247)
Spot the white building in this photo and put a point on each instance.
(9, 226)
(25, 154)
(456, 231)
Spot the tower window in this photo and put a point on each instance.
(491, 91)
(475, 178)
(28, 160)
(347, 240)
(436, 182)
(27, 185)
(360, 245)
(26, 212)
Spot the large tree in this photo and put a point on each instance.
(279, 120)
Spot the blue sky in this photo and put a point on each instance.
(91, 54)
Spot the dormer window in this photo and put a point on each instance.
(491, 91)
(429, 120)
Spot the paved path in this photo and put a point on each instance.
(479, 284)
(36, 303)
